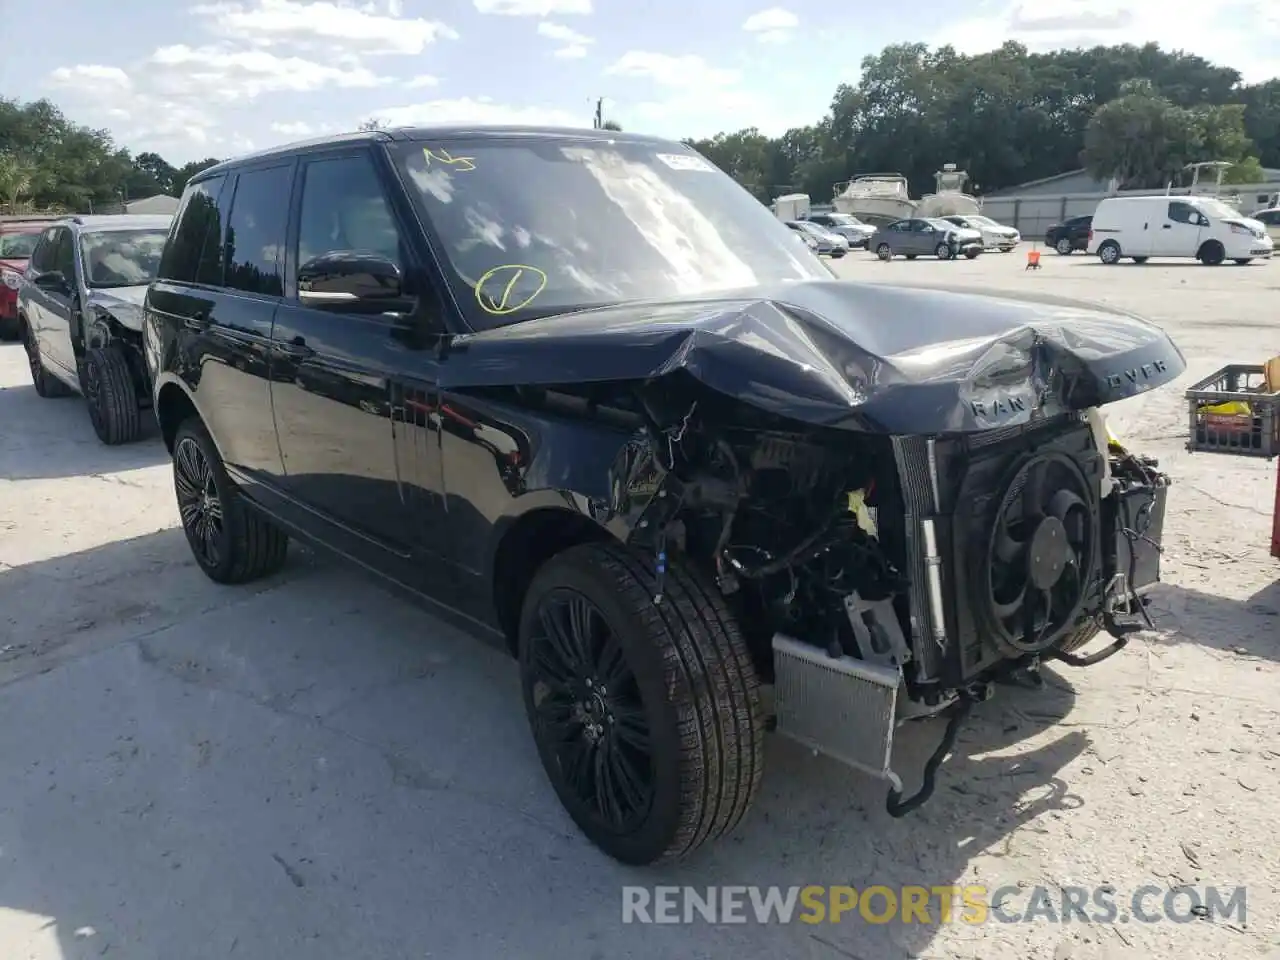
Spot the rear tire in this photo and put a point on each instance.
(1064, 247)
(230, 542)
(884, 252)
(1244, 261)
(674, 740)
(974, 254)
(111, 396)
(1109, 253)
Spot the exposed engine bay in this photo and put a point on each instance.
(934, 565)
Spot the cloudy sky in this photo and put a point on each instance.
(218, 77)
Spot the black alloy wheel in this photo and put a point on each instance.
(589, 710)
(646, 714)
(229, 540)
(199, 503)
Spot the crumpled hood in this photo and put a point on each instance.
(865, 357)
(123, 303)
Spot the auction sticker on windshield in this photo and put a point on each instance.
(684, 161)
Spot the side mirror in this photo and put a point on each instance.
(53, 280)
(348, 276)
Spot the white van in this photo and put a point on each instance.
(1202, 228)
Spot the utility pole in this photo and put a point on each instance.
(598, 121)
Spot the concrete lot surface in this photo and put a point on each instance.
(313, 768)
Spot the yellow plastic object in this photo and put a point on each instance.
(858, 507)
(1231, 408)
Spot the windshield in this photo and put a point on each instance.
(985, 221)
(844, 220)
(807, 227)
(538, 226)
(17, 246)
(121, 258)
(943, 224)
(1216, 208)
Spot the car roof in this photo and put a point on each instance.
(25, 224)
(450, 131)
(100, 223)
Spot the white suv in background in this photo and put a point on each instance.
(1270, 219)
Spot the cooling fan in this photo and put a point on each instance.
(1041, 554)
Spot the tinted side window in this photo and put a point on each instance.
(42, 255)
(1182, 212)
(64, 256)
(198, 222)
(256, 231)
(344, 209)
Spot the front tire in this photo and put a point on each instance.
(646, 715)
(230, 542)
(1109, 253)
(1244, 261)
(1212, 254)
(109, 391)
(1140, 259)
(943, 251)
(884, 252)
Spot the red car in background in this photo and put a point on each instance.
(18, 236)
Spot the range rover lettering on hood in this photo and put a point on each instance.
(862, 357)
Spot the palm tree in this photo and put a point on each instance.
(15, 180)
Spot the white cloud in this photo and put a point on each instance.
(420, 81)
(477, 110)
(226, 74)
(325, 22)
(296, 128)
(1242, 34)
(670, 70)
(774, 25)
(572, 43)
(533, 8)
(89, 74)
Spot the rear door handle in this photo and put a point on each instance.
(1167, 226)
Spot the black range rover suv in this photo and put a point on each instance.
(583, 390)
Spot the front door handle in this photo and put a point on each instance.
(1167, 226)
(296, 348)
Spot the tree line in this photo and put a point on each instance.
(50, 164)
(1139, 114)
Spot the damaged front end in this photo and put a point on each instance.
(880, 578)
(898, 513)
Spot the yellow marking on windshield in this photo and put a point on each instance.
(511, 273)
(445, 158)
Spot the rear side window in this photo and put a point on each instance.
(256, 231)
(199, 225)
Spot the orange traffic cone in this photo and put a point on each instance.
(1033, 259)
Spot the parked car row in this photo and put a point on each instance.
(1195, 227)
(638, 447)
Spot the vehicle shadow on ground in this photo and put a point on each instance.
(1249, 627)
(52, 438)
(345, 769)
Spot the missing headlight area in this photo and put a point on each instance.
(878, 578)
